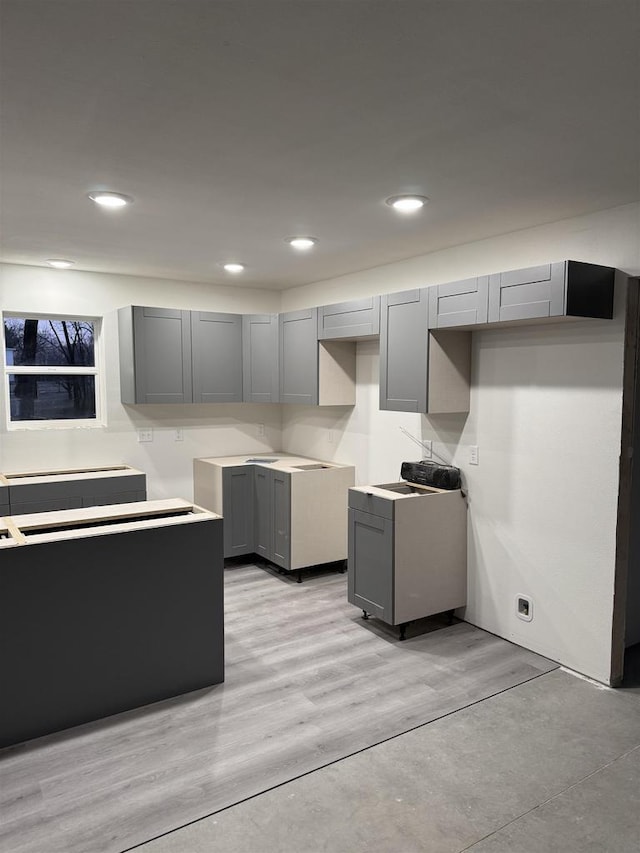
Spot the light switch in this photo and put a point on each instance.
(473, 454)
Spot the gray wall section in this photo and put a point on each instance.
(90, 627)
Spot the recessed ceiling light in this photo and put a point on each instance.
(233, 267)
(407, 203)
(59, 263)
(111, 200)
(301, 243)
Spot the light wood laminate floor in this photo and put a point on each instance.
(307, 683)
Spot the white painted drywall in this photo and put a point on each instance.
(209, 430)
(546, 416)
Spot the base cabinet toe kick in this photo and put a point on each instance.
(288, 510)
(407, 552)
(106, 609)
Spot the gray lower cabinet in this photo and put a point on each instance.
(459, 303)
(260, 367)
(272, 521)
(44, 492)
(238, 510)
(298, 348)
(564, 289)
(122, 616)
(155, 355)
(407, 551)
(359, 318)
(216, 341)
(370, 582)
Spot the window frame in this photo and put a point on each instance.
(97, 371)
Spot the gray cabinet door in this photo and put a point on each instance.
(217, 357)
(262, 523)
(299, 357)
(371, 569)
(404, 351)
(260, 373)
(459, 303)
(237, 510)
(162, 355)
(281, 518)
(355, 319)
(527, 294)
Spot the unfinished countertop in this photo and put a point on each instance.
(63, 475)
(277, 461)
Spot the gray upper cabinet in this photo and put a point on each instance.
(359, 318)
(155, 355)
(564, 289)
(217, 357)
(299, 357)
(261, 377)
(459, 303)
(404, 351)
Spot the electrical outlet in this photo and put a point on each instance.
(473, 454)
(428, 451)
(524, 607)
(179, 434)
(145, 435)
(260, 429)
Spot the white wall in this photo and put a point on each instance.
(546, 415)
(209, 430)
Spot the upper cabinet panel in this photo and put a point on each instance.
(404, 351)
(155, 355)
(299, 357)
(217, 357)
(564, 289)
(459, 303)
(260, 378)
(359, 318)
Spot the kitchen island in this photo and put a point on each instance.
(105, 609)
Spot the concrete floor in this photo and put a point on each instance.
(549, 765)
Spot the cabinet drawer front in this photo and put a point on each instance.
(372, 504)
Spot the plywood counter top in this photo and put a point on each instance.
(286, 462)
(23, 478)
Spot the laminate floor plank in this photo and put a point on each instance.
(307, 682)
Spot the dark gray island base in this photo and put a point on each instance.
(101, 619)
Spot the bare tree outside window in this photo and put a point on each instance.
(65, 386)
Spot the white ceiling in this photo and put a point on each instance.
(235, 124)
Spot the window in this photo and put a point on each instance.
(51, 373)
